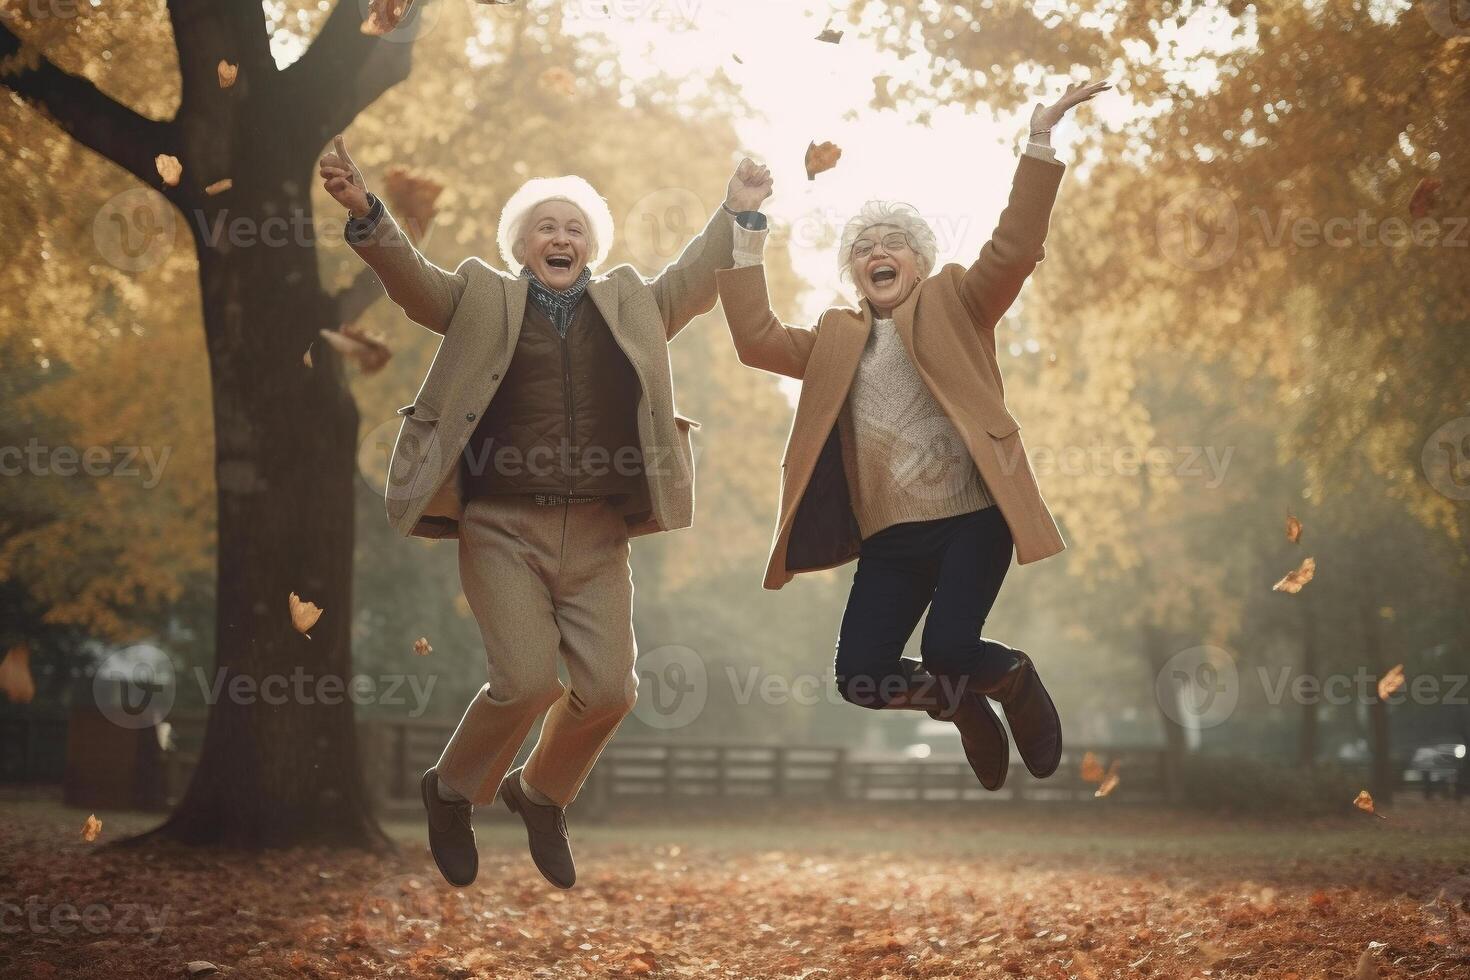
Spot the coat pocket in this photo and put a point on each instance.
(420, 412)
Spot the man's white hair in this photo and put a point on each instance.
(899, 215)
(536, 192)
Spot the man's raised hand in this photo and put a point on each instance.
(1044, 117)
(343, 180)
(750, 186)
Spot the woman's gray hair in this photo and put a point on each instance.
(901, 216)
(536, 192)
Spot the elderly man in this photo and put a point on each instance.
(904, 456)
(543, 438)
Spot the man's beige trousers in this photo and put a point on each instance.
(542, 580)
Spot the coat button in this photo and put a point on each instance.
(494, 377)
(469, 416)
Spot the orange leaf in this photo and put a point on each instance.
(169, 168)
(1293, 530)
(1110, 781)
(1092, 770)
(91, 829)
(368, 348)
(384, 15)
(1364, 802)
(303, 614)
(412, 199)
(1390, 682)
(16, 682)
(1425, 196)
(1292, 582)
(830, 36)
(219, 187)
(821, 157)
(421, 646)
(227, 73)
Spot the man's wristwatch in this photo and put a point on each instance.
(750, 220)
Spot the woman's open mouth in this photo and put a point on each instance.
(563, 262)
(883, 275)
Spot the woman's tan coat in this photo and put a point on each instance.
(948, 327)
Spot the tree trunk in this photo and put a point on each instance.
(1176, 748)
(279, 763)
(1307, 737)
(1382, 780)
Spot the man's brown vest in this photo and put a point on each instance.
(564, 419)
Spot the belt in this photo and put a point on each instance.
(557, 499)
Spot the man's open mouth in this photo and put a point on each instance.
(884, 274)
(560, 261)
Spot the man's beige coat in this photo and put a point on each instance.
(948, 327)
(478, 310)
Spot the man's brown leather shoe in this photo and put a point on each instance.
(451, 836)
(1030, 711)
(546, 832)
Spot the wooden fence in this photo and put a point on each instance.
(632, 770)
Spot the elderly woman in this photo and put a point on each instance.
(904, 456)
(543, 438)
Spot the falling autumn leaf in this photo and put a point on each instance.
(1092, 770)
(882, 98)
(1425, 196)
(306, 357)
(227, 73)
(1292, 582)
(412, 198)
(830, 36)
(1110, 781)
(169, 168)
(303, 615)
(421, 646)
(219, 187)
(367, 347)
(91, 829)
(384, 15)
(559, 81)
(1293, 529)
(16, 682)
(1364, 802)
(1390, 682)
(821, 157)
(738, 59)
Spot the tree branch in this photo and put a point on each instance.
(343, 72)
(81, 110)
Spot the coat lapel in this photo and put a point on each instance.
(604, 293)
(515, 306)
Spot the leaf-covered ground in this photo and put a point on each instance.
(1087, 892)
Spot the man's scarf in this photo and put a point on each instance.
(558, 306)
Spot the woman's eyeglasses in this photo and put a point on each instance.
(892, 242)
